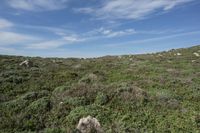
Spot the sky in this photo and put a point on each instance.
(93, 28)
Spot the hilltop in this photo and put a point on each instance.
(158, 92)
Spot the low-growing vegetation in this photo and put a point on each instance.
(158, 92)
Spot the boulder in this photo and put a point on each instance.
(89, 125)
(196, 54)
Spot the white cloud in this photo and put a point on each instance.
(9, 38)
(5, 23)
(85, 10)
(60, 31)
(37, 5)
(72, 38)
(130, 9)
(110, 33)
(6, 50)
(148, 40)
(65, 40)
(46, 44)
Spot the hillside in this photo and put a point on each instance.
(157, 92)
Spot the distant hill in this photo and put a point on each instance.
(157, 92)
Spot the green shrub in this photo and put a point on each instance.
(89, 78)
(60, 89)
(55, 130)
(75, 101)
(31, 96)
(101, 99)
(41, 105)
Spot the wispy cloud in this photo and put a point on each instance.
(56, 30)
(84, 10)
(67, 39)
(64, 36)
(130, 9)
(110, 33)
(6, 50)
(46, 44)
(8, 37)
(37, 5)
(148, 40)
(73, 38)
(57, 43)
(12, 38)
(5, 23)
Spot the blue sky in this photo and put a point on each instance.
(92, 28)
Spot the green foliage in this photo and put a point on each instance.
(101, 99)
(60, 89)
(157, 92)
(55, 130)
(42, 105)
(75, 101)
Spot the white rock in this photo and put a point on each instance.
(131, 59)
(26, 63)
(178, 54)
(89, 125)
(196, 54)
(119, 57)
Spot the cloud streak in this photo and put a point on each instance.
(154, 39)
(37, 5)
(8, 37)
(12, 38)
(110, 33)
(52, 44)
(130, 9)
(5, 24)
(46, 44)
